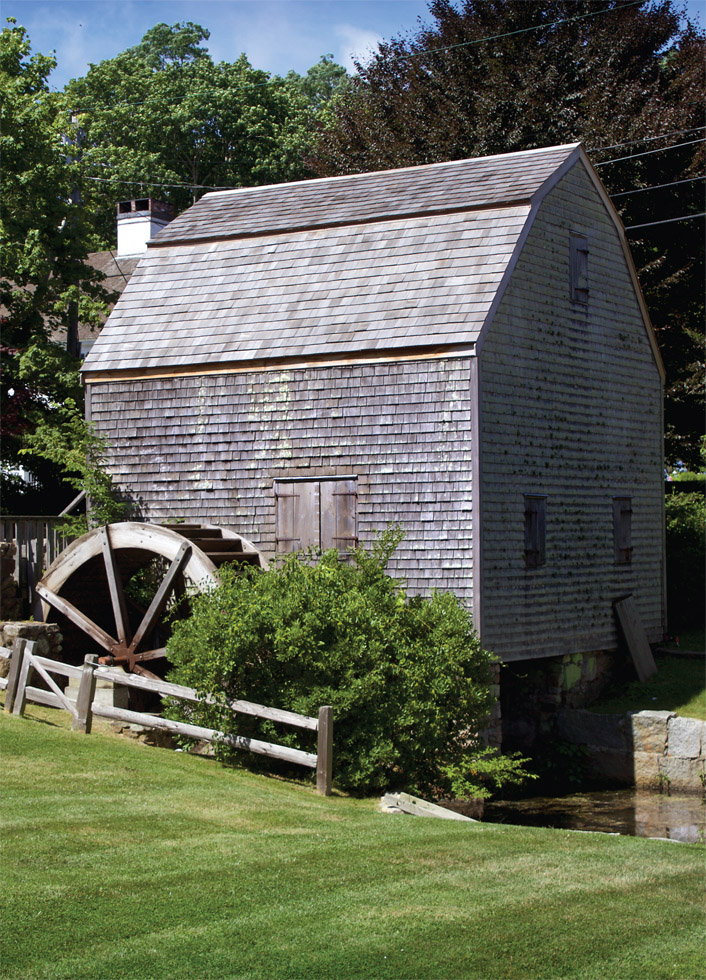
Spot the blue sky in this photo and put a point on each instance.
(276, 35)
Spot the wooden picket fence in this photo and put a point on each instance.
(18, 690)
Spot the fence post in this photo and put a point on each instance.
(25, 673)
(14, 673)
(86, 692)
(324, 752)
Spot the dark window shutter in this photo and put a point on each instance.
(622, 529)
(578, 268)
(535, 530)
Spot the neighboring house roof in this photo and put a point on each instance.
(117, 272)
(346, 265)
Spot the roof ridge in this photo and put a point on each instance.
(569, 147)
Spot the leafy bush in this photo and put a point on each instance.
(407, 677)
(686, 527)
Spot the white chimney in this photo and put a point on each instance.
(138, 221)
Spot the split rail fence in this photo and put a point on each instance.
(18, 690)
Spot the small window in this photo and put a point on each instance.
(535, 530)
(579, 268)
(622, 529)
(316, 514)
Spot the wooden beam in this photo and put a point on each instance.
(324, 752)
(117, 596)
(635, 637)
(278, 364)
(159, 601)
(77, 617)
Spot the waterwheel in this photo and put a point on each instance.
(90, 587)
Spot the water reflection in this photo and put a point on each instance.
(637, 813)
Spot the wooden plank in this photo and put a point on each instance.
(83, 716)
(324, 752)
(14, 672)
(40, 696)
(77, 617)
(635, 637)
(44, 673)
(189, 694)
(421, 808)
(117, 596)
(25, 672)
(207, 734)
(57, 667)
(279, 364)
(160, 599)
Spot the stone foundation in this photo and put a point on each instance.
(655, 750)
(532, 692)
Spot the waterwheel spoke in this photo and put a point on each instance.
(151, 654)
(77, 617)
(158, 603)
(117, 596)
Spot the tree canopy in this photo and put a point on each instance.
(493, 76)
(44, 239)
(161, 120)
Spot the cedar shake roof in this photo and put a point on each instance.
(366, 263)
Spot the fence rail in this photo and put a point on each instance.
(18, 690)
(37, 543)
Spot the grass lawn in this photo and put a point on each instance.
(128, 862)
(679, 685)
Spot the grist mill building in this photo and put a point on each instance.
(462, 348)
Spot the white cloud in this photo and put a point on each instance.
(357, 44)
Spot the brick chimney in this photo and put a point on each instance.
(138, 221)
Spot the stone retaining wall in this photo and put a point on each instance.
(45, 635)
(647, 749)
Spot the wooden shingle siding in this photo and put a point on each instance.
(571, 408)
(211, 449)
(438, 187)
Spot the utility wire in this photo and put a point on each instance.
(157, 183)
(523, 30)
(112, 253)
(667, 221)
(645, 153)
(411, 54)
(646, 139)
(654, 187)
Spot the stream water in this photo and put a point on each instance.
(637, 813)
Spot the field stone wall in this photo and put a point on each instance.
(46, 635)
(647, 749)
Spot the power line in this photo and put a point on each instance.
(645, 153)
(157, 183)
(667, 221)
(523, 30)
(413, 54)
(654, 187)
(646, 139)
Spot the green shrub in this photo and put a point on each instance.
(686, 528)
(407, 678)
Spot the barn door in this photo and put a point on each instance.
(338, 514)
(297, 516)
(316, 513)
